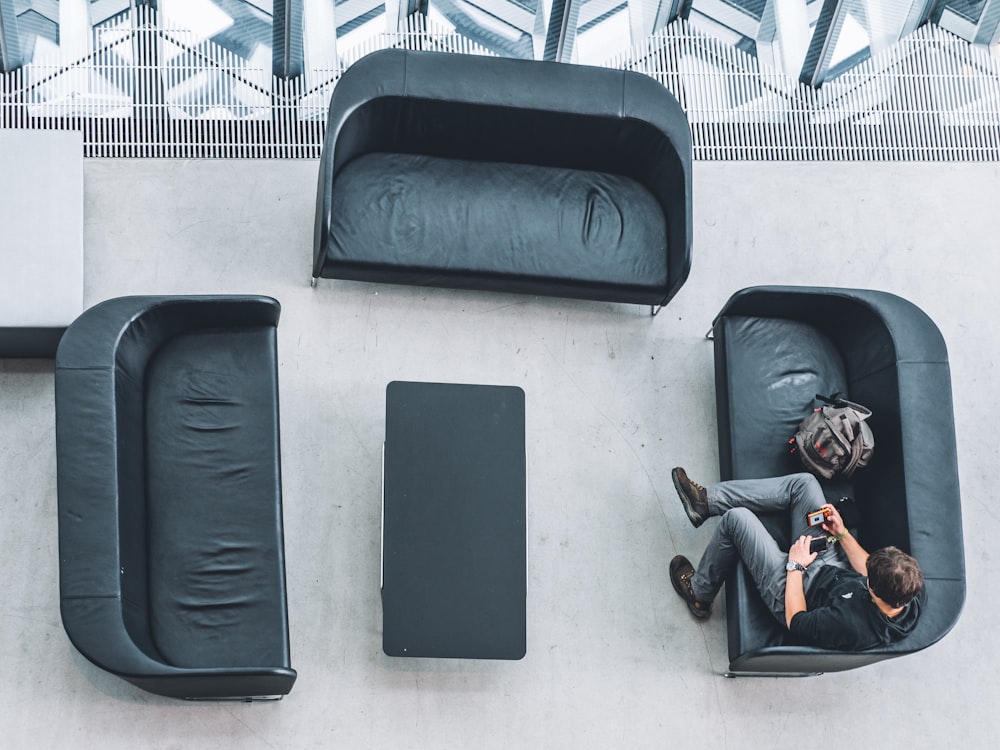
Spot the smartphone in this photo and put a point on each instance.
(817, 517)
(818, 544)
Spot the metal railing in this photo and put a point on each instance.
(147, 91)
(931, 97)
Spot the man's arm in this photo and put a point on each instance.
(856, 554)
(795, 595)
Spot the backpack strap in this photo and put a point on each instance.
(834, 429)
(832, 400)
(863, 411)
(854, 444)
(837, 402)
(856, 447)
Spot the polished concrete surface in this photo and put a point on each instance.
(615, 399)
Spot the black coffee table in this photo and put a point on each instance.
(454, 568)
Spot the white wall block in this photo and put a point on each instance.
(41, 228)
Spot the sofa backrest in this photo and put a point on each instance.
(495, 109)
(492, 132)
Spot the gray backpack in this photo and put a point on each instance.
(835, 439)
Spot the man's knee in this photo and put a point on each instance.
(805, 481)
(735, 520)
(805, 488)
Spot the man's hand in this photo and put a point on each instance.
(856, 554)
(800, 551)
(833, 524)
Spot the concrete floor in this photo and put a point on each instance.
(614, 400)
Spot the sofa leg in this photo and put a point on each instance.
(711, 334)
(654, 309)
(312, 282)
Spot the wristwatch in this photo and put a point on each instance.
(792, 565)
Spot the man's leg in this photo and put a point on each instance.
(797, 493)
(741, 536)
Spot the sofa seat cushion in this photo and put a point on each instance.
(448, 222)
(776, 367)
(215, 567)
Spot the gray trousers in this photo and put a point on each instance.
(741, 536)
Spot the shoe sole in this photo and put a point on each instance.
(693, 516)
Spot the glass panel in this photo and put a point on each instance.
(777, 32)
(971, 10)
(786, 29)
(214, 60)
(867, 27)
(62, 50)
(236, 35)
(60, 31)
(509, 28)
(242, 27)
(600, 29)
(38, 32)
(358, 21)
(337, 32)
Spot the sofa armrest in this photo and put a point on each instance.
(94, 625)
(669, 177)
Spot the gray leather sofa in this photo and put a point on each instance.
(171, 553)
(507, 175)
(775, 348)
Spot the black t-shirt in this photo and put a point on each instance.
(840, 614)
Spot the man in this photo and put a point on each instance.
(842, 598)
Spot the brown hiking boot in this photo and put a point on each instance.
(693, 497)
(681, 571)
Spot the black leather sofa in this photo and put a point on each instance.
(775, 348)
(508, 175)
(171, 555)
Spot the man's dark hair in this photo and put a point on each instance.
(894, 576)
